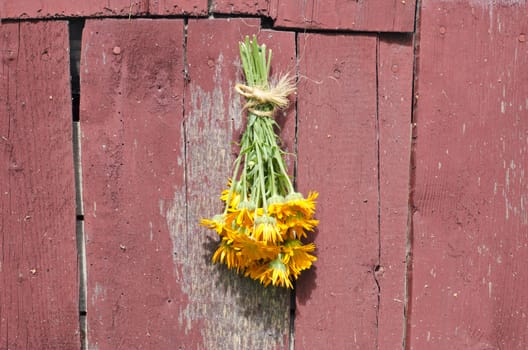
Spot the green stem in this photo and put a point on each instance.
(243, 179)
(272, 174)
(282, 167)
(261, 178)
(233, 181)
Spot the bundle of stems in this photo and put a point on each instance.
(264, 218)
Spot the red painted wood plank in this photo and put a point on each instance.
(246, 7)
(178, 7)
(337, 301)
(65, 8)
(470, 227)
(395, 77)
(133, 171)
(38, 261)
(237, 313)
(373, 15)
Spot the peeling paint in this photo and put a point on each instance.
(222, 306)
(99, 293)
(151, 234)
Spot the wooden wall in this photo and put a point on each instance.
(410, 120)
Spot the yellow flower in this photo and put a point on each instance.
(251, 250)
(296, 256)
(227, 254)
(296, 203)
(295, 208)
(235, 197)
(217, 223)
(246, 211)
(274, 272)
(279, 274)
(297, 227)
(266, 229)
(257, 271)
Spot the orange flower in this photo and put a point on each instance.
(266, 229)
(297, 256)
(227, 254)
(217, 223)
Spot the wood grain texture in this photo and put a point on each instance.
(236, 312)
(372, 16)
(38, 260)
(64, 8)
(246, 7)
(178, 7)
(470, 225)
(337, 300)
(395, 77)
(133, 171)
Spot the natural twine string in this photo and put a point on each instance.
(276, 96)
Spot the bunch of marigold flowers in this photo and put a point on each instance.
(264, 218)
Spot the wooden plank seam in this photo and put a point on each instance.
(376, 269)
(75, 38)
(412, 178)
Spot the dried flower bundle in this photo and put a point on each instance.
(264, 219)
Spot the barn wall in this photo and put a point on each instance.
(470, 223)
(409, 120)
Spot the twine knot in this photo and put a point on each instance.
(261, 99)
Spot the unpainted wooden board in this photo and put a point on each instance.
(25, 9)
(178, 7)
(395, 78)
(470, 225)
(38, 260)
(133, 158)
(372, 15)
(337, 300)
(236, 312)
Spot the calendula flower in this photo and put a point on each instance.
(297, 256)
(217, 223)
(266, 229)
(227, 254)
(295, 205)
(245, 214)
(278, 274)
(275, 273)
(264, 218)
(297, 226)
(254, 250)
(232, 196)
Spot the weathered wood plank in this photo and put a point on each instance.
(66, 8)
(395, 79)
(373, 15)
(246, 7)
(178, 7)
(38, 261)
(337, 301)
(133, 172)
(236, 313)
(470, 227)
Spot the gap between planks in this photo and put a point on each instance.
(75, 41)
